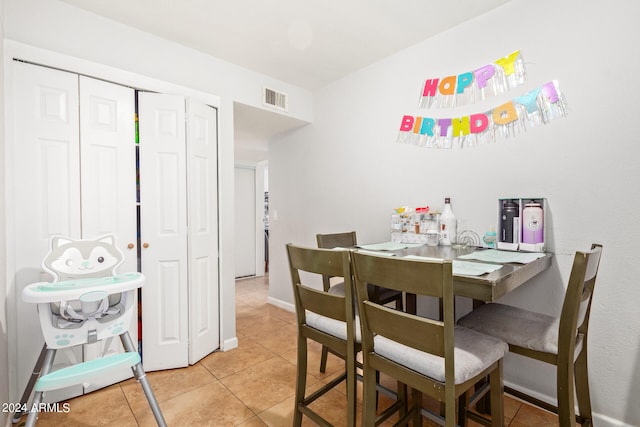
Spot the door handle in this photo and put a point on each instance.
(145, 245)
(131, 246)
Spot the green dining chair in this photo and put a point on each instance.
(434, 357)
(382, 295)
(560, 341)
(326, 318)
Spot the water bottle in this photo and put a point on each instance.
(448, 224)
(532, 223)
(510, 211)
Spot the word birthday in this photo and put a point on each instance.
(539, 106)
(504, 74)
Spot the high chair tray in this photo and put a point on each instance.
(68, 290)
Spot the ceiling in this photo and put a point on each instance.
(306, 43)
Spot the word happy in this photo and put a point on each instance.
(504, 74)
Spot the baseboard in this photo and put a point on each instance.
(229, 344)
(282, 304)
(599, 420)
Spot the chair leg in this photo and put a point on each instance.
(47, 363)
(369, 397)
(301, 380)
(462, 410)
(416, 398)
(351, 385)
(582, 386)
(323, 359)
(30, 385)
(141, 376)
(565, 388)
(496, 392)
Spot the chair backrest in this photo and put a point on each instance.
(576, 308)
(70, 259)
(420, 277)
(306, 262)
(95, 315)
(335, 240)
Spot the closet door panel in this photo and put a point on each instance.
(204, 325)
(108, 190)
(108, 158)
(163, 225)
(44, 169)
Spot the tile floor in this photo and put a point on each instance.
(252, 385)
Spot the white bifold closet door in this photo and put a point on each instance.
(73, 174)
(178, 217)
(107, 187)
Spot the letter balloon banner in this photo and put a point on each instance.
(469, 87)
(534, 108)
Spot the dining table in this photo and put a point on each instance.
(482, 274)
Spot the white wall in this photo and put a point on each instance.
(346, 172)
(48, 30)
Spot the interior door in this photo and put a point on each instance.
(108, 190)
(245, 221)
(163, 225)
(45, 176)
(202, 160)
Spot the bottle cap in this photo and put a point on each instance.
(447, 200)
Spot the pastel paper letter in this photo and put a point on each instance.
(444, 126)
(529, 100)
(447, 85)
(430, 87)
(427, 126)
(478, 123)
(483, 74)
(504, 114)
(460, 126)
(507, 63)
(464, 80)
(407, 124)
(549, 90)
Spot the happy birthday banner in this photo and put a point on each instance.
(539, 106)
(466, 88)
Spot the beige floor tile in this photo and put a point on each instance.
(247, 354)
(280, 340)
(167, 385)
(103, 408)
(264, 384)
(209, 405)
(260, 324)
(254, 422)
(531, 416)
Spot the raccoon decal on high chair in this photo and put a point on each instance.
(87, 302)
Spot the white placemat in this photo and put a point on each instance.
(493, 255)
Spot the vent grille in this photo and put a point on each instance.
(275, 99)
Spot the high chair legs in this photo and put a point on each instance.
(29, 388)
(141, 376)
(47, 363)
(43, 368)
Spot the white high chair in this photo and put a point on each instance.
(87, 302)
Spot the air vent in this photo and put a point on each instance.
(275, 99)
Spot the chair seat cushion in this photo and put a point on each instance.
(473, 353)
(517, 326)
(332, 326)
